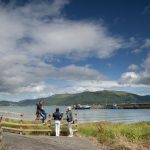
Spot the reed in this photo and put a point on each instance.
(118, 135)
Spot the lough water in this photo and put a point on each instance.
(91, 115)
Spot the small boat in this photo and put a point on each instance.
(82, 106)
(136, 106)
(114, 106)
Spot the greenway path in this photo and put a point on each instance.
(21, 142)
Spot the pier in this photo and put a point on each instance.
(129, 106)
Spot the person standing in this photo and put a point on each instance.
(57, 117)
(70, 120)
(40, 111)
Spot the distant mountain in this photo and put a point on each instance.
(7, 103)
(98, 97)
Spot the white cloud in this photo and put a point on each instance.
(36, 88)
(79, 73)
(146, 64)
(133, 67)
(146, 43)
(141, 78)
(20, 77)
(135, 79)
(37, 30)
(64, 37)
(26, 32)
(77, 87)
(131, 43)
(138, 46)
(129, 77)
(137, 50)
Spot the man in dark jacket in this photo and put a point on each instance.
(57, 117)
(40, 111)
(70, 120)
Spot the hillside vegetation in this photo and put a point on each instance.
(99, 97)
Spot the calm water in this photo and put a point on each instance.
(92, 115)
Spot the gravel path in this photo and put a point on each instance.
(21, 142)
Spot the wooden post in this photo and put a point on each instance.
(21, 122)
(1, 136)
(49, 124)
(76, 120)
(76, 125)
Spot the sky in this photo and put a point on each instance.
(69, 46)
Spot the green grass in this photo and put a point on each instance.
(88, 129)
(107, 131)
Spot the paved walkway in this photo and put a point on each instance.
(21, 142)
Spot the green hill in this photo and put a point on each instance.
(7, 103)
(99, 97)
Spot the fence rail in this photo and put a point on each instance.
(20, 124)
(1, 130)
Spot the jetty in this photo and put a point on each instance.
(128, 106)
(121, 106)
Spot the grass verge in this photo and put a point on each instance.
(118, 136)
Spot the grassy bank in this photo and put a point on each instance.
(118, 135)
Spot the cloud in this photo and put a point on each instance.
(30, 30)
(77, 87)
(129, 77)
(35, 31)
(146, 43)
(138, 46)
(75, 38)
(141, 78)
(146, 63)
(35, 34)
(36, 88)
(25, 77)
(35, 9)
(132, 42)
(79, 73)
(133, 67)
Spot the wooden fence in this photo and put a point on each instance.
(24, 123)
(0, 130)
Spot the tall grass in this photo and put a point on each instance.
(107, 131)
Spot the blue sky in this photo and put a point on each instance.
(70, 46)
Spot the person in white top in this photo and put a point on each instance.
(57, 117)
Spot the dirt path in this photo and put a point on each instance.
(21, 142)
